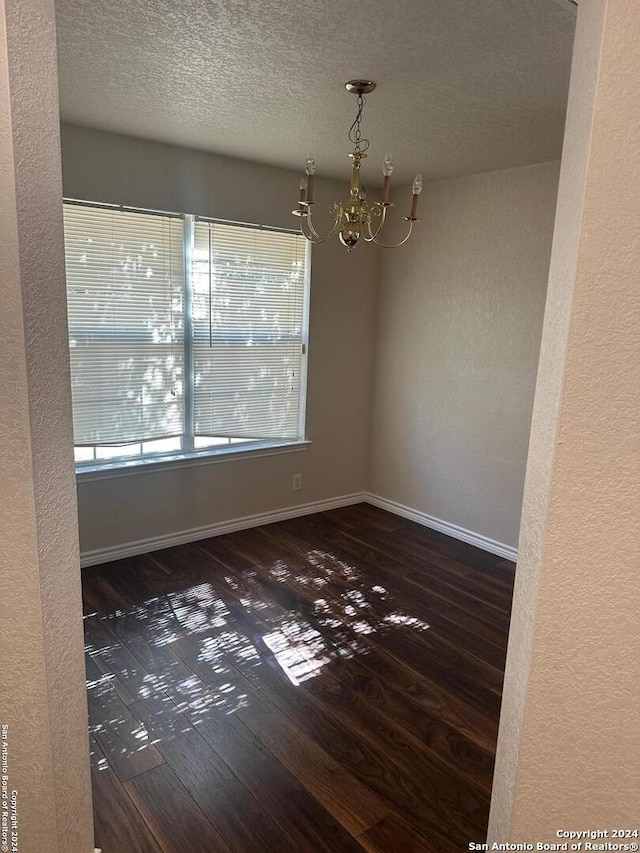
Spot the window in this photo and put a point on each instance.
(187, 336)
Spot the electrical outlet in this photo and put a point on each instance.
(296, 482)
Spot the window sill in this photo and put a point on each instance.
(123, 468)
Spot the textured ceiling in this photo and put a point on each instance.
(464, 86)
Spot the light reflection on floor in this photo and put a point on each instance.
(150, 650)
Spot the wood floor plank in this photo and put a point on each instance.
(436, 657)
(244, 616)
(394, 735)
(118, 825)
(415, 723)
(173, 677)
(492, 646)
(341, 636)
(347, 593)
(237, 816)
(175, 820)
(98, 596)
(126, 578)
(394, 835)
(307, 823)
(362, 757)
(480, 726)
(479, 640)
(196, 697)
(329, 683)
(401, 574)
(128, 678)
(97, 633)
(351, 803)
(421, 558)
(451, 797)
(439, 550)
(428, 652)
(476, 760)
(365, 517)
(487, 635)
(122, 739)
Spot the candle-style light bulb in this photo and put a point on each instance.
(387, 169)
(416, 190)
(310, 169)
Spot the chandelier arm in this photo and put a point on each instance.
(377, 209)
(338, 211)
(313, 231)
(309, 236)
(313, 236)
(402, 242)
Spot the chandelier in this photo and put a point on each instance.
(356, 219)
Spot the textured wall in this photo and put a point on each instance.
(458, 332)
(109, 168)
(43, 699)
(570, 728)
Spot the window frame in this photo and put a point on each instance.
(189, 454)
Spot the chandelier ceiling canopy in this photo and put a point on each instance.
(356, 219)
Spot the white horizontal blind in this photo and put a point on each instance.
(125, 294)
(248, 311)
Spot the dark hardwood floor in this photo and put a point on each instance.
(330, 683)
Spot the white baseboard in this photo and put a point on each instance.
(453, 530)
(155, 543)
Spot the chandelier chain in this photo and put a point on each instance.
(355, 134)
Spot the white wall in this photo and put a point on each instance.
(456, 342)
(108, 168)
(43, 699)
(459, 321)
(569, 737)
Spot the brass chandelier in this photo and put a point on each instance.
(356, 219)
